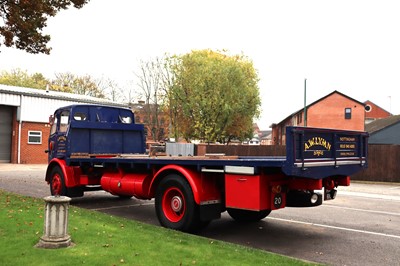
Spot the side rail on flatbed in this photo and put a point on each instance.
(318, 153)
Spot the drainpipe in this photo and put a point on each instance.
(19, 130)
(19, 142)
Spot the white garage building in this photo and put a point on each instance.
(24, 121)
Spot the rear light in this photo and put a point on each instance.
(51, 145)
(276, 189)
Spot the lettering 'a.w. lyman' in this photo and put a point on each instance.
(317, 141)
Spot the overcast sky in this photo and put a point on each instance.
(352, 46)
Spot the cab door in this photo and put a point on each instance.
(59, 134)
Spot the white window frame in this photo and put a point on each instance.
(39, 135)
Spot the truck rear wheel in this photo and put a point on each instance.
(248, 216)
(175, 205)
(57, 182)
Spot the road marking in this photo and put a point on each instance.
(117, 207)
(335, 227)
(394, 188)
(362, 210)
(370, 195)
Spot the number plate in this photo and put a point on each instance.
(277, 201)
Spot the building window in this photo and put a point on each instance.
(347, 113)
(34, 137)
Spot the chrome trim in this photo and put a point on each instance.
(330, 163)
(247, 170)
(208, 170)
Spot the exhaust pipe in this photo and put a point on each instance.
(303, 199)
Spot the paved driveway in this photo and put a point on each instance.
(360, 227)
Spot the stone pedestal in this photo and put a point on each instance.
(55, 223)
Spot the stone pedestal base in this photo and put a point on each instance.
(55, 223)
(47, 242)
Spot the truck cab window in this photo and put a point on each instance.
(53, 123)
(125, 119)
(79, 116)
(64, 121)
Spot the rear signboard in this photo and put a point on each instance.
(319, 152)
(320, 145)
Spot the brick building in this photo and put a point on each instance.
(24, 117)
(374, 112)
(154, 119)
(335, 110)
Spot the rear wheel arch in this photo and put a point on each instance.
(192, 177)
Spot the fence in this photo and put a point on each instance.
(247, 150)
(383, 160)
(383, 164)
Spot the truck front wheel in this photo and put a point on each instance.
(57, 182)
(248, 216)
(58, 187)
(175, 205)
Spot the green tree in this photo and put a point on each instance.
(24, 20)
(21, 78)
(64, 82)
(215, 95)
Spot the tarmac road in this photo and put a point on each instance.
(360, 227)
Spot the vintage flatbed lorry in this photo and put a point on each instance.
(95, 147)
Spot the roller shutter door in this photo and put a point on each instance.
(5, 133)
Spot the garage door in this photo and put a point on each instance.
(5, 133)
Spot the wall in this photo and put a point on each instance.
(329, 113)
(388, 135)
(32, 153)
(375, 112)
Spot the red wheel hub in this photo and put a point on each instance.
(173, 204)
(56, 184)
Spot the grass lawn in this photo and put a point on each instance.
(101, 239)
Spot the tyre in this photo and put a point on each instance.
(57, 182)
(58, 187)
(175, 205)
(248, 216)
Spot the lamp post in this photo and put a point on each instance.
(305, 102)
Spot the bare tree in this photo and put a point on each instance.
(151, 84)
(85, 85)
(111, 89)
